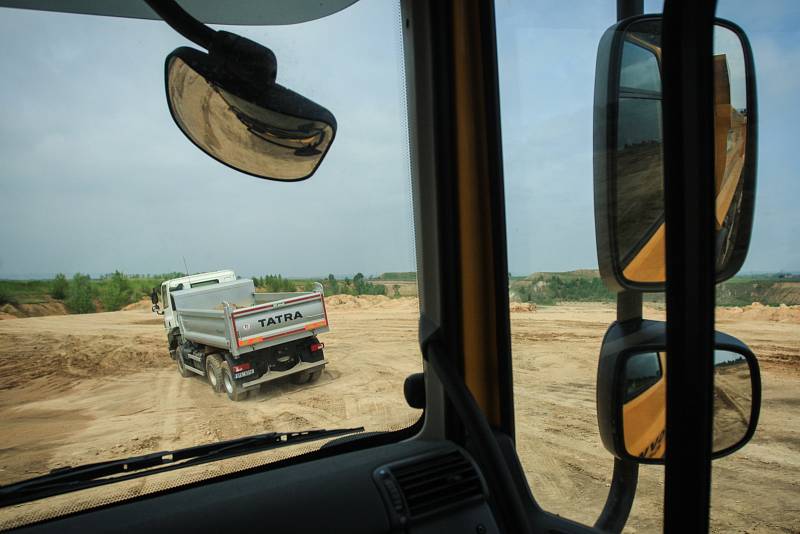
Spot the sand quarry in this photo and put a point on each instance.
(85, 388)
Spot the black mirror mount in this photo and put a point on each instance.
(631, 392)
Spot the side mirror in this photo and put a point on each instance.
(628, 170)
(632, 393)
(228, 104)
(154, 296)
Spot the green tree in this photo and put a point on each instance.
(116, 292)
(359, 285)
(331, 285)
(275, 283)
(80, 295)
(6, 297)
(59, 287)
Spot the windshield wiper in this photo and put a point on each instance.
(96, 474)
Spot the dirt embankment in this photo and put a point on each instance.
(758, 312)
(40, 309)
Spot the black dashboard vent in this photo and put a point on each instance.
(437, 483)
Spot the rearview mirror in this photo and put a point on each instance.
(154, 296)
(628, 169)
(632, 393)
(229, 105)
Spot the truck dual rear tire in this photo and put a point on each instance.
(229, 385)
(314, 375)
(214, 372)
(307, 377)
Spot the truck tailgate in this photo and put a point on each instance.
(277, 322)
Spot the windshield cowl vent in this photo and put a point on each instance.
(433, 484)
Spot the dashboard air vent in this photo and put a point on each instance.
(437, 482)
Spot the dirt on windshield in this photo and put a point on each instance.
(85, 388)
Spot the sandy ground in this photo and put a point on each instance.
(77, 389)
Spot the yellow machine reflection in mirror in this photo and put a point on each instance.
(644, 397)
(640, 191)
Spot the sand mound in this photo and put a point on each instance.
(352, 301)
(41, 309)
(143, 304)
(364, 302)
(758, 312)
(77, 356)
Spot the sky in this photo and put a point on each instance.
(95, 176)
(547, 52)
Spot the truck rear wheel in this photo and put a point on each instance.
(232, 389)
(214, 372)
(300, 378)
(185, 373)
(307, 377)
(314, 375)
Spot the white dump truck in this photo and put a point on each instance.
(220, 328)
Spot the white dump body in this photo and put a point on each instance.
(232, 316)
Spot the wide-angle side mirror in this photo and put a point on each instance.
(628, 168)
(632, 393)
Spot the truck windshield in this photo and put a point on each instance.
(102, 199)
(205, 283)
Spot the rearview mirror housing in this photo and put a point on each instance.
(228, 104)
(631, 392)
(628, 170)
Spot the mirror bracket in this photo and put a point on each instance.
(182, 22)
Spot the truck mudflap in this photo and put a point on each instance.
(274, 375)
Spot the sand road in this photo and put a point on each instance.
(77, 389)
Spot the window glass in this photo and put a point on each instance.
(102, 198)
(560, 308)
(761, 304)
(639, 70)
(640, 194)
(641, 371)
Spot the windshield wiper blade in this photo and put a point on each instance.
(99, 473)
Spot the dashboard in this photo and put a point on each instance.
(414, 486)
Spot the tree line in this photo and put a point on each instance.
(552, 289)
(111, 292)
(358, 285)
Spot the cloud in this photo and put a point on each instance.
(97, 177)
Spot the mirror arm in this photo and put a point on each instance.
(182, 22)
(629, 8)
(626, 473)
(620, 497)
(629, 305)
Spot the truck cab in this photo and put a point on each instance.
(163, 304)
